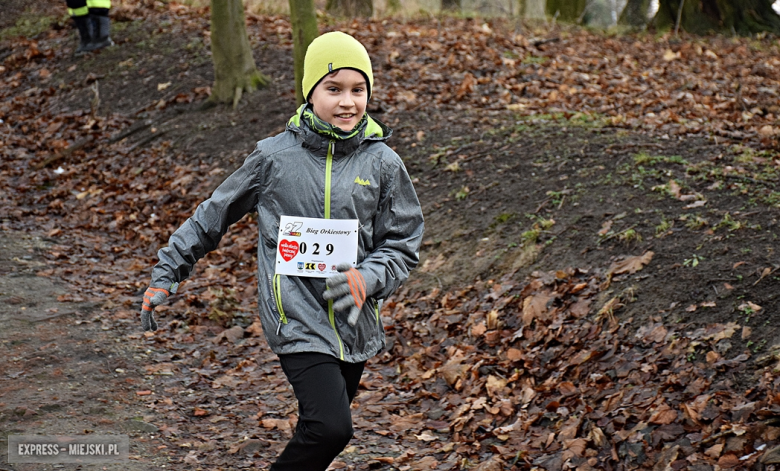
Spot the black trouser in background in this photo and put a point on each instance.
(91, 19)
(324, 387)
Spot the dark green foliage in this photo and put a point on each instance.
(743, 17)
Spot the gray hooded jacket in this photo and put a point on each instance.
(303, 173)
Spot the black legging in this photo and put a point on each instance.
(324, 387)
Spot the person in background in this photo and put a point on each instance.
(92, 21)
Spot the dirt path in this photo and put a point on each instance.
(64, 372)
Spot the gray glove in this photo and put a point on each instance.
(153, 297)
(348, 289)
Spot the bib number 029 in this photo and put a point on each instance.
(314, 247)
(303, 248)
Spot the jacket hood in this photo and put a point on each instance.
(317, 143)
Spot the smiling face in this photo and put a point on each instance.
(340, 98)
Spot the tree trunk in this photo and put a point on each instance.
(568, 10)
(635, 14)
(451, 5)
(532, 9)
(598, 13)
(303, 18)
(234, 67)
(743, 17)
(350, 8)
(393, 6)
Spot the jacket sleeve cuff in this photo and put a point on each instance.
(371, 281)
(171, 287)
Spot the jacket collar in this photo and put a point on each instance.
(318, 143)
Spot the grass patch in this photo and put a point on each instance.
(663, 227)
(643, 158)
(502, 218)
(533, 235)
(529, 59)
(30, 25)
(694, 222)
(729, 223)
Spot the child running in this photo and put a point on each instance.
(340, 228)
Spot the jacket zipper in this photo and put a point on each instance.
(328, 170)
(277, 293)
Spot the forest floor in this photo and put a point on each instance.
(593, 293)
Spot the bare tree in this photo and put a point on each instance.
(532, 9)
(234, 67)
(566, 10)
(304, 29)
(635, 13)
(451, 5)
(708, 16)
(350, 8)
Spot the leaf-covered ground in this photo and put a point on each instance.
(598, 286)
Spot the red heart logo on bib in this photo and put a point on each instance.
(288, 249)
(321, 266)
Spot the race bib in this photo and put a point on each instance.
(313, 247)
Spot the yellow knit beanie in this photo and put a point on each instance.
(333, 51)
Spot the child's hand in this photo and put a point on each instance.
(348, 288)
(153, 297)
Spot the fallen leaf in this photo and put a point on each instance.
(425, 464)
(255, 330)
(712, 357)
(191, 458)
(281, 424)
(666, 458)
(535, 307)
(494, 463)
(710, 54)
(663, 415)
(233, 334)
(453, 370)
(696, 204)
(670, 55)
(729, 460)
(514, 354)
(478, 330)
(675, 189)
(630, 265)
(426, 436)
(766, 272)
(576, 446)
(722, 331)
(495, 385)
(714, 451)
(749, 306)
(609, 308)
